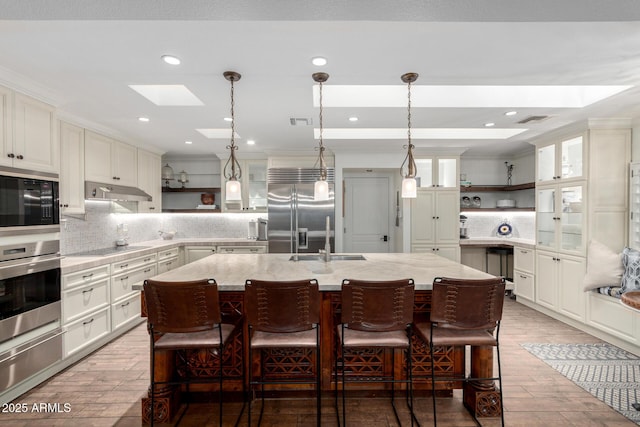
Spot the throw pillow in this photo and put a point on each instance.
(604, 267)
(631, 276)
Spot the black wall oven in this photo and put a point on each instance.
(27, 201)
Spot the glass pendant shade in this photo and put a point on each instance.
(321, 190)
(409, 188)
(233, 191)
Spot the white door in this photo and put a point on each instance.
(367, 214)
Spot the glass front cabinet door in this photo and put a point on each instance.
(437, 172)
(560, 219)
(560, 160)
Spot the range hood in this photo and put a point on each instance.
(100, 191)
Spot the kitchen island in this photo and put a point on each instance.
(231, 272)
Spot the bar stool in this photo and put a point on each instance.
(376, 314)
(464, 312)
(283, 315)
(181, 316)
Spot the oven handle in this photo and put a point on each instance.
(29, 267)
(31, 344)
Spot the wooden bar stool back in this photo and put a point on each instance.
(379, 315)
(464, 312)
(181, 316)
(283, 316)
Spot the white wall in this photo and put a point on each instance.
(493, 171)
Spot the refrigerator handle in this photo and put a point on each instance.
(293, 213)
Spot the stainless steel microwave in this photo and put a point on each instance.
(27, 201)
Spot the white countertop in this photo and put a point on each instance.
(72, 263)
(498, 241)
(231, 271)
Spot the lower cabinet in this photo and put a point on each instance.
(125, 301)
(451, 252)
(86, 331)
(524, 273)
(194, 253)
(125, 311)
(559, 283)
(242, 249)
(168, 260)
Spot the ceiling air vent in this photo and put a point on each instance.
(533, 119)
(300, 121)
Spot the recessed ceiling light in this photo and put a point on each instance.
(143, 119)
(510, 113)
(353, 119)
(251, 142)
(170, 59)
(490, 124)
(188, 142)
(227, 119)
(319, 61)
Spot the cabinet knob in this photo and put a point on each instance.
(115, 177)
(11, 155)
(19, 157)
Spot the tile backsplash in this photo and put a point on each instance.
(99, 227)
(485, 224)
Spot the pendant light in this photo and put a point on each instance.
(321, 187)
(232, 171)
(409, 185)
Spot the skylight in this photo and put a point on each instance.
(531, 96)
(167, 95)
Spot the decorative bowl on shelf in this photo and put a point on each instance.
(207, 198)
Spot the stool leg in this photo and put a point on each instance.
(153, 376)
(318, 391)
(433, 380)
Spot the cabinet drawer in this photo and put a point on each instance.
(242, 249)
(85, 277)
(524, 285)
(124, 311)
(607, 314)
(130, 264)
(122, 284)
(168, 253)
(86, 330)
(168, 264)
(524, 259)
(81, 300)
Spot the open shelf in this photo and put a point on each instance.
(191, 190)
(496, 209)
(491, 188)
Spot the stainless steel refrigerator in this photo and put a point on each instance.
(297, 222)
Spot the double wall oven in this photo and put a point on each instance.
(30, 275)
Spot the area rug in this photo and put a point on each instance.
(607, 372)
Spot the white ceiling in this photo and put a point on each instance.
(82, 56)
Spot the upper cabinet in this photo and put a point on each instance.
(109, 161)
(28, 133)
(254, 187)
(560, 160)
(149, 173)
(71, 169)
(438, 172)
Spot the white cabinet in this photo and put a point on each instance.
(28, 132)
(85, 307)
(149, 174)
(71, 169)
(242, 249)
(438, 172)
(634, 205)
(124, 276)
(561, 217)
(524, 273)
(254, 187)
(194, 253)
(168, 259)
(109, 161)
(559, 283)
(560, 160)
(435, 223)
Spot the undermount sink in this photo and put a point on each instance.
(319, 257)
